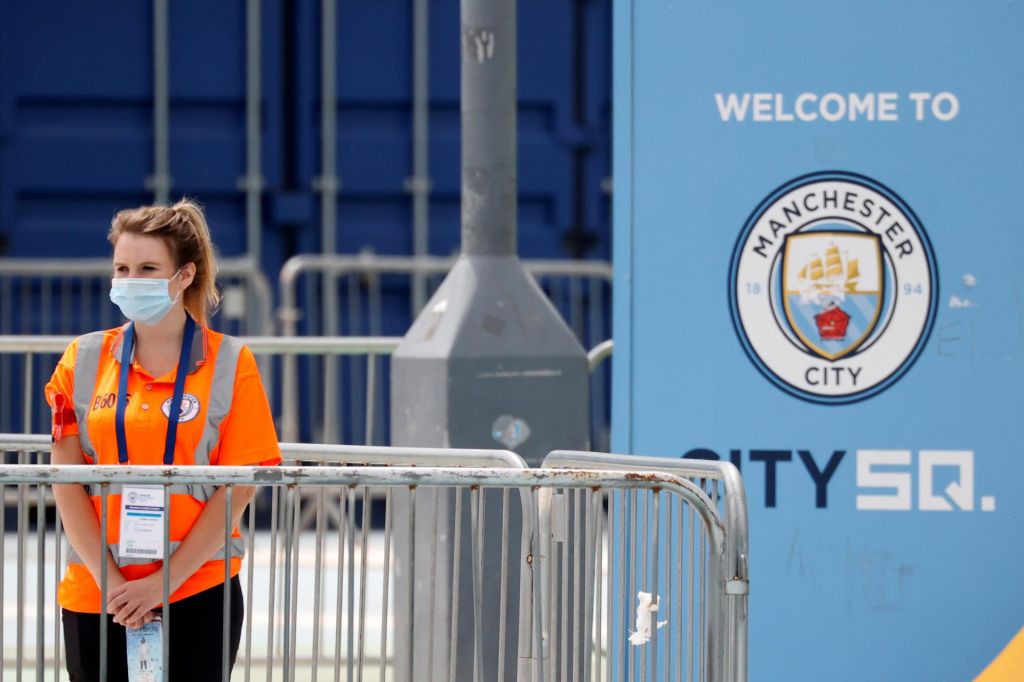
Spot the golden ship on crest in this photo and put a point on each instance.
(826, 283)
(834, 275)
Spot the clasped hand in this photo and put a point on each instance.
(132, 602)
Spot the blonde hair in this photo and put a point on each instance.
(183, 228)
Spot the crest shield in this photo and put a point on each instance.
(833, 288)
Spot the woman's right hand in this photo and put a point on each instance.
(139, 622)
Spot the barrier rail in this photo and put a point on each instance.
(39, 354)
(571, 284)
(53, 296)
(63, 296)
(60, 296)
(734, 581)
(344, 295)
(27, 412)
(573, 628)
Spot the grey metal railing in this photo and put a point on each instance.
(37, 355)
(27, 361)
(64, 296)
(57, 296)
(726, 653)
(345, 295)
(599, 353)
(577, 288)
(351, 560)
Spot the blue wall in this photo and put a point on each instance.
(76, 123)
(885, 515)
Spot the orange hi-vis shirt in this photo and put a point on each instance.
(225, 419)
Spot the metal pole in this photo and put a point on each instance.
(328, 186)
(165, 580)
(489, 127)
(225, 651)
(317, 581)
(22, 562)
(40, 577)
(328, 182)
(384, 591)
(160, 181)
(419, 183)
(286, 593)
(104, 569)
(252, 183)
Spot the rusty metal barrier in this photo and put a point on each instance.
(323, 602)
(705, 598)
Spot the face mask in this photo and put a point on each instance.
(143, 299)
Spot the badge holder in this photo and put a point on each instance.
(145, 652)
(142, 522)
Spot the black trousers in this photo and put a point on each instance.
(196, 639)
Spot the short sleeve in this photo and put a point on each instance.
(247, 435)
(59, 393)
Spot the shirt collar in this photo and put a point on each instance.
(196, 358)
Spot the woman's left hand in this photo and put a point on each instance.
(130, 602)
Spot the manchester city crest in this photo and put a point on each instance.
(189, 408)
(833, 287)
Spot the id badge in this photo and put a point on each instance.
(145, 652)
(142, 522)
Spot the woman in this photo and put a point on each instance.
(111, 396)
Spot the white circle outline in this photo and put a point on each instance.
(914, 319)
(188, 401)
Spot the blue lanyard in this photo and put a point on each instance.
(127, 341)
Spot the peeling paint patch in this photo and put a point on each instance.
(474, 182)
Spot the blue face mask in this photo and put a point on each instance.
(143, 299)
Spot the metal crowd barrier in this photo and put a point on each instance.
(36, 356)
(353, 288)
(670, 525)
(340, 296)
(27, 361)
(346, 295)
(64, 296)
(335, 600)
